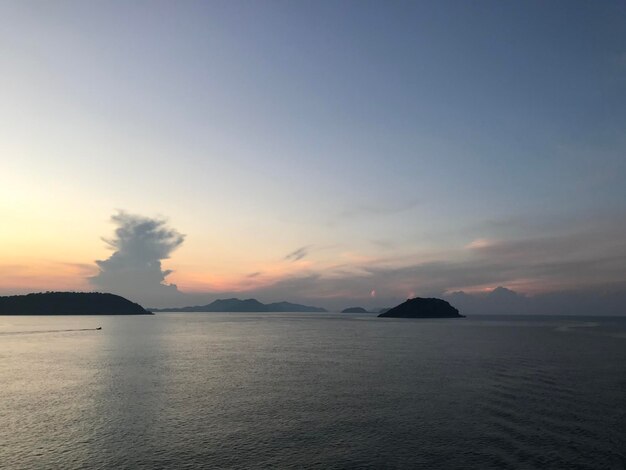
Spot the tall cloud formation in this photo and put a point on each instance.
(134, 269)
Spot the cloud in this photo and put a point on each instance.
(541, 264)
(497, 301)
(503, 301)
(581, 260)
(298, 254)
(478, 244)
(576, 261)
(134, 269)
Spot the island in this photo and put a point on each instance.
(422, 308)
(69, 303)
(248, 305)
(354, 310)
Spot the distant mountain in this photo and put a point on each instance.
(236, 305)
(248, 305)
(423, 308)
(69, 303)
(354, 310)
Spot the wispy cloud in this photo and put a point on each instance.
(479, 243)
(298, 254)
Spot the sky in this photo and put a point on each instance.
(334, 153)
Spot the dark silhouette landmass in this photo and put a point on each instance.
(248, 305)
(69, 303)
(384, 309)
(423, 308)
(354, 310)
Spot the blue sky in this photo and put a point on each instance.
(376, 134)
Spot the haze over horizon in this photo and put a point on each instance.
(325, 153)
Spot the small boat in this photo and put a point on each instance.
(99, 328)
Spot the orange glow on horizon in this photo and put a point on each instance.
(228, 280)
(45, 276)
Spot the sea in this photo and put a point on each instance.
(312, 390)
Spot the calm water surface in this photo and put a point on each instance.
(300, 390)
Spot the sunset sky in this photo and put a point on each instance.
(321, 152)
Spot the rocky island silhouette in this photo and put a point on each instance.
(419, 307)
(69, 303)
(354, 310)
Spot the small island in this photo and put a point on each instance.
(354, 310)
(69, 303)
(422, 308)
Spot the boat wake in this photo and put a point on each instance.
(7, 333)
